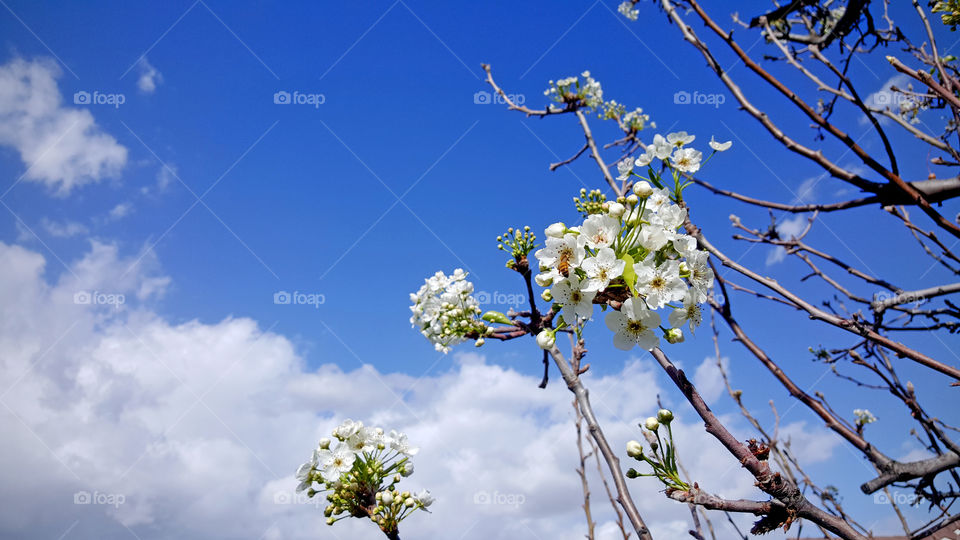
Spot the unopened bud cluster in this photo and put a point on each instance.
(663, 456)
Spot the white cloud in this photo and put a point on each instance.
(812, 445)
(788, 228)
(61, 147)
(149, 77)
(200, 427)
(63, 229)
(708, 379)
(120, 211)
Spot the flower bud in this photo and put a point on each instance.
(616, 209)
(665, 416)
(546, 295)
(324, 443)
(330, 521)
(387, 498)
(674, 336)
(632, 473)
(632, 199)
(407, 469)
(652, 424)
(556, 230)
(479, 343)
(634, 449)
(544, 279)
(546, 339)
(643, 189)
(409, 503)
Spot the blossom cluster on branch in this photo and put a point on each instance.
(632, 251)
(360, 473)
(445, 312)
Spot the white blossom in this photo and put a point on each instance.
(602, 269)
(335, 462)
(575, 302)
(689, 313)
(680, 138)
(398, 442)
(627, 10)
(633, 325)
(661, 284)
(599, 231)
(686, 160)
(720, 146)
(624, 167)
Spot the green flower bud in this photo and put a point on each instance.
(665, 416)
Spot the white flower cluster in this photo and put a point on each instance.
(569, 90)
(361, 471)
(635, 120)
(627, 10)
(673, 151)
(632, 251)
(864, 417)
(444, 310)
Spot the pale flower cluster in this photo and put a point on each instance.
(636, 250)
(570, 90)
(864, 417)
(627, 10)
(444, 310)
(360, 468)
(633, 251)
(674, 152)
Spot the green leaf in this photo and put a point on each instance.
(629, 275)
(496, 316)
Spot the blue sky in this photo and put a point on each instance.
(399, 173)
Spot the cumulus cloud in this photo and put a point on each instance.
(61, 147)
(787, 228)
(63, 229)
(194, 430)
(708, 379)
(149, 77)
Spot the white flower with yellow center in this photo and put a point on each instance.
(336, 462)
(680, 138)
(686, 160)
(689, 313)
(599, 231)
(561, 255)
(659, 285)
(633, 325)
(575, 302)
(601, 269)
(701, 275)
